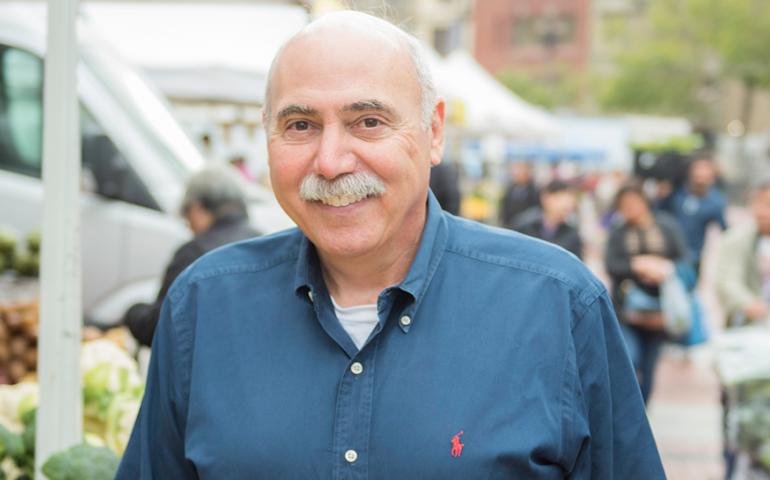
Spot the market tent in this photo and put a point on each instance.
(242, 37)
(204, 52)
(601, 142)
(210, 84)
(488, 106)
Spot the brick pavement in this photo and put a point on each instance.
(685, 415)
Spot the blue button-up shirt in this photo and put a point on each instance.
(498, 356)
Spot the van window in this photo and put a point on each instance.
(21, 133)
(21, 111)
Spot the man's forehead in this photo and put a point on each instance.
(363, 70)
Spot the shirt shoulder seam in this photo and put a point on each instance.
(587, 294)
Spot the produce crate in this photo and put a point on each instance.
(18, 340)
(743, 366)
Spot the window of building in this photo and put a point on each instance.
(547, 31)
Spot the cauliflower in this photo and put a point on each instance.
(15, 401)
(120, 421)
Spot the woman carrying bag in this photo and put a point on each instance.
(642, 252)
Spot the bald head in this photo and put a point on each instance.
(376, 37)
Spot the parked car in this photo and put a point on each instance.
(135, 161)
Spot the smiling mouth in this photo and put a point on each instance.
(343, 200)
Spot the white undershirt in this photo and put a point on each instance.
(358, 321)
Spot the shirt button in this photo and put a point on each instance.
(351, 456)
(356, 368)
(406, 320)
(310, 295)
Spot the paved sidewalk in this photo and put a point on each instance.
(686, 416)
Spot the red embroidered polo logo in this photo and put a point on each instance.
(457, 447)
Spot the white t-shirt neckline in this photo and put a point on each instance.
(358, 321)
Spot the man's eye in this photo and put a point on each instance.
(371, 123)
(300, 125)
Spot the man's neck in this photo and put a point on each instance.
(359, 280)
(552, 221)
(361, 284)
(698, 190)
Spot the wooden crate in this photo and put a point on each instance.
(18, 340)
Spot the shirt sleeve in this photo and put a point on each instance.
(156, 447)
(607, 420)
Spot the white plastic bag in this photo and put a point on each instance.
(675, 306)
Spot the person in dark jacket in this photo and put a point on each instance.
(642, 251)
(554, 221)
(697, 204)
(520, 195)
(215, 210)
(445, 184)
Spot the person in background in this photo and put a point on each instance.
(554, 221)
(742, 281)
(743, 264)
(696, 204)
(215, 209)
(520, 195)
(641, 253)
(445, 184)
(239, 163)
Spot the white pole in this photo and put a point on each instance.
(59, 415)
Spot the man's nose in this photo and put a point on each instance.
(334, 156)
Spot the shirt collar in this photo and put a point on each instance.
(308, 280)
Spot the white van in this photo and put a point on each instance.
(135, 163)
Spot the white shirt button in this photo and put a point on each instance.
(406, 320)
(310, 295)
(356, 368)
(351, 456)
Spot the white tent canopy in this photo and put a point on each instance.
(489, 107)
(198, 51)
(175, 36)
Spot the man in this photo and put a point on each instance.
(554, 221)
(383, 338)
(697, 204)
(743, 283)
(520, 195)
(215, 210)
(743, 265)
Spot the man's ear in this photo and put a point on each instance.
(437, 133)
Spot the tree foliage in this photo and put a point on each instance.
(687, 48)
(561, 89)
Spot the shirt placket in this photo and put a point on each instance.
(355, 398)
(353, 415)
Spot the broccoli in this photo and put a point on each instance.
(11, 444)
(82, 462)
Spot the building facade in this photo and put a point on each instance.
(532, 35)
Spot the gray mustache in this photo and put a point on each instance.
(358, 184)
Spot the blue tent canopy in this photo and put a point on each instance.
(553, 154)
